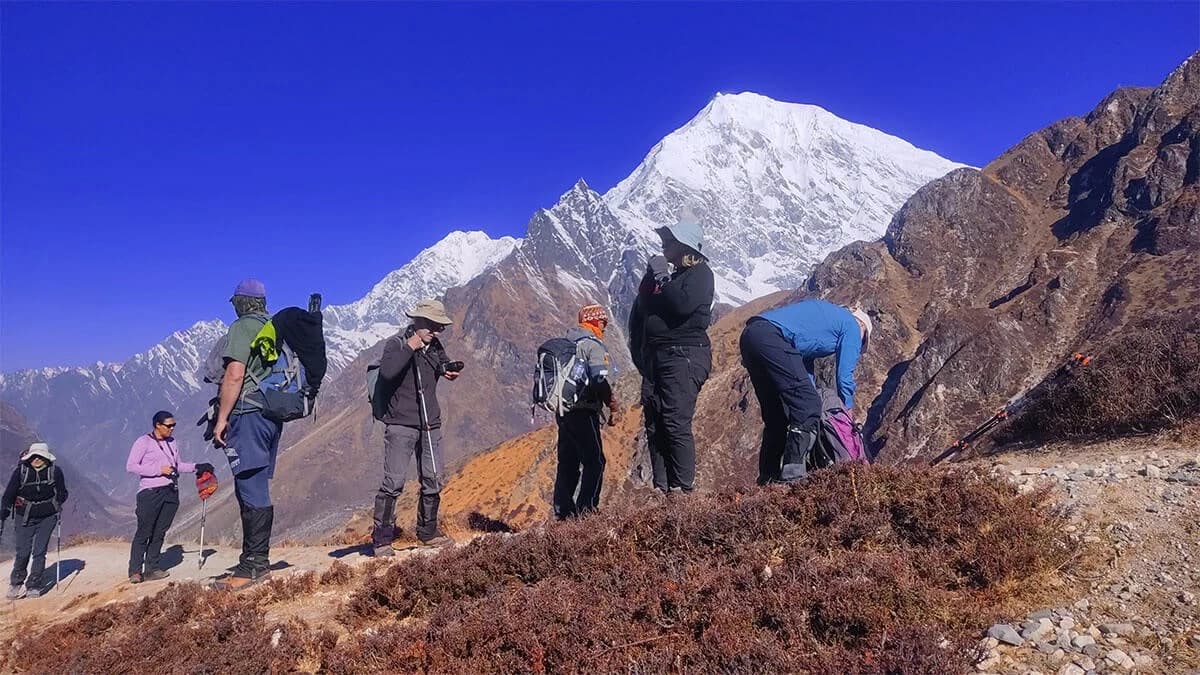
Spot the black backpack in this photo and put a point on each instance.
(28, 472)
(293, 343)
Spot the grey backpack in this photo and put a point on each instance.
(375, 394)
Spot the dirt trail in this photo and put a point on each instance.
(1131, 604)
(92, 575)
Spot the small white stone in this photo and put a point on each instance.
(1082, 641)
(1116, 656)
(986, 664)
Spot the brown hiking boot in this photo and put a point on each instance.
(404, 541)
(438, 540)
(157, 575)
(235, 583)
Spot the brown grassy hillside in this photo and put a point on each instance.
(862, 570)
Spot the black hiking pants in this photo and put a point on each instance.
(579, 445)
(676, 376)
(156, 508)
(33, 538)
(791, 407)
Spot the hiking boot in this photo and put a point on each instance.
(36, 592)
(16, 592)
(236, 583)
(157, 575)
(438, 540)
(135, 578)
(384, 551)
(405, 543)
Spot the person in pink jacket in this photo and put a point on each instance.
(154, 458)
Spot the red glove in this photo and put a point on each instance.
(206, 484)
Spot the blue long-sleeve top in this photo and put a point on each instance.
(818, 328)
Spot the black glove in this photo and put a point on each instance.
(658, 268)
(204, 467)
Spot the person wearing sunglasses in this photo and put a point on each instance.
(154, 459)
(412, 363)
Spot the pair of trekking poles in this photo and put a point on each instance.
(1078, 359)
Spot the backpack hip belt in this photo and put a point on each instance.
(28, 505)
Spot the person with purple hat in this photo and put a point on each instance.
(250, 440)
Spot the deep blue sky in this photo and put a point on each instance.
(149, 149)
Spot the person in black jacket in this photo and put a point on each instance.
(34, 497)
(414, 422)
(668, 338)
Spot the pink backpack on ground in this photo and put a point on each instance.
(839, 438)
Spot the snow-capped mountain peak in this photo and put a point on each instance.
(453, 261)
(777, 185)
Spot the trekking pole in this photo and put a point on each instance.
(206, 487)
(1014, 404)
(424, 413)
(203, 517)
(58, 554)
(965, 441)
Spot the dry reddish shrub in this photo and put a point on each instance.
(185, 628)
(480, 522)
(1148, 381)
(281, 588)
(339, 573)
(861, 570)
(856, 557)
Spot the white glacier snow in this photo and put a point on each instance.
(778, 186)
